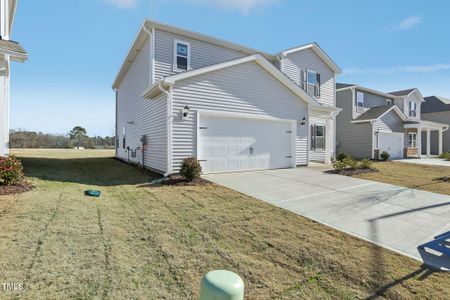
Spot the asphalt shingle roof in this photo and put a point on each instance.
(434, 104)
(402, 93)
(373, 113)
(343, 85)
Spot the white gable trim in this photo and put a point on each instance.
(316, 48)
(394, 107)
(257, 58)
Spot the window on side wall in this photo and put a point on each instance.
(124, 140)
(181, 56)
(388, 102)
(412, 109)
(317, 137)
(311, 83)
(412, 140)
(359, 100)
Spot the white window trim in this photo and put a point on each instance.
(175, 55)
(317, 84)
(314, 135)
(359, 108)
(388, 101)
(412, 143)
(411, 105)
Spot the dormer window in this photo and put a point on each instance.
(181, 56)
(311, 83)
(389, 102)
(412, 109)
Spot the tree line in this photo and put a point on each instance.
(76, 138)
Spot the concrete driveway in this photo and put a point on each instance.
(394, 217)
(432, 161)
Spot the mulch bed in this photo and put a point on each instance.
(181, 181)
(15, 189)
(352, 172)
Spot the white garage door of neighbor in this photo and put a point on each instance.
(392, 142)
(239, 144)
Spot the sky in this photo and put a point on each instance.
(77, 47)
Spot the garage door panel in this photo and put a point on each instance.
(392, 142)
(244, 144)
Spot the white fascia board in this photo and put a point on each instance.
(397, 110)
(364, 121)
(318, 50)
(19, 57)
(131, 55)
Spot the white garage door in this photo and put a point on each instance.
(238, 144)
(392, 142)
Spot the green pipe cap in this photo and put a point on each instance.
(222, 285)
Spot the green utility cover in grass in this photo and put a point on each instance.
(92, 193)
(222, 285)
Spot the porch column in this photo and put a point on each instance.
(328, 140)
(440, 141)
(419, 141)
(428, 142)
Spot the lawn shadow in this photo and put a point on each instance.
(101, 171)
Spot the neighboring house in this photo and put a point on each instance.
(372, 122)
(181, 93)
(437, 109)
(9, 51)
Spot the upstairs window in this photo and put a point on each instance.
(359, 100)
(388, 101)
(311, 83)
(412, 109)
(181, 56)
(317, 137)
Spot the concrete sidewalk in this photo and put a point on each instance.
(432, 161)
(394, 217)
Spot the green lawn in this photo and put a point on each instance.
(140, 242)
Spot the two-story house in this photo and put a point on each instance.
(437, 109)
(9, 51)
(373, 122)
(180, 93)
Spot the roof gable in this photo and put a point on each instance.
(319, 51)
(375, 113)
(257, 58)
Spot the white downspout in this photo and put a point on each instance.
(169, 128)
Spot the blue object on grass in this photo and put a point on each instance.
(436, 253)
(92, 193)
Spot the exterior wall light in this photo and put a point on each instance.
(303, 122)
(185, 112)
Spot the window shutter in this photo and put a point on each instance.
(313, 137)
(324, 137)
(318, 85)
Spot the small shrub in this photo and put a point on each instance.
(11, 171)
(445, 155)
(350, 163)
(365, 164)
(339, 165)
(190, 168)
(385, 155)
(341, 156)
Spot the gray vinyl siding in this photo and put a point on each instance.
(293, 64)
(390, 122)
(354, 139)
(148, 116)
(202, 53)
(245, 88)
(444, 118)
(370, 100)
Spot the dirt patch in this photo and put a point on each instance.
(442, 179)
(15, 189)
(352, 172)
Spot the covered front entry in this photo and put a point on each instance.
(392, 143)
(241, 142)
(419, 137)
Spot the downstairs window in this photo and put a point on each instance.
(317, 137)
